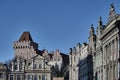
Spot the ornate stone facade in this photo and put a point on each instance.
(106, 53)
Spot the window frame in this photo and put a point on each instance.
(20, 76)
(11, 75)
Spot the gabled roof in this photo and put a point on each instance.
(26, 37)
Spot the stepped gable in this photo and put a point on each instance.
(26, 37)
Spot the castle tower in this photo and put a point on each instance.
(25, 47)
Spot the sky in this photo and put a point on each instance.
(53, 24)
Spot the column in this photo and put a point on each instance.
(12, 66)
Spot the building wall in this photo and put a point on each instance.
(24, 49)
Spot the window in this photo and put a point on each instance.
(29, 77)
(16, 67)
(11, 77)
(1, 75)
(58, 59)
(43, 77)
(19, 77)
(35, 77)
(40, 66)
(35, 65)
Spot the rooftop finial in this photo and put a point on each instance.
(112, 9)
(100, 18)
(112, 5)
(100, 21)
(91, 25)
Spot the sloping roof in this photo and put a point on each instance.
(26, 37)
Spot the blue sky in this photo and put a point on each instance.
(53, 24)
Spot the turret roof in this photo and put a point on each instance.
(26, 37)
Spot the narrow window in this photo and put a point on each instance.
(40, 66)
(43, 77)
(19, 77)
(16, 66)
(29, 77)
(35, 77)
(11, 77)
(35, 66)
(1, 75)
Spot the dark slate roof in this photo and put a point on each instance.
(26, 37)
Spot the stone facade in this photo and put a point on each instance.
(110, 39)
(106, 53)
(103, 58)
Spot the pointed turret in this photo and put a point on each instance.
(112, 14)
(91, 30)
(100, 21)
(26, 37)
(100, 26)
